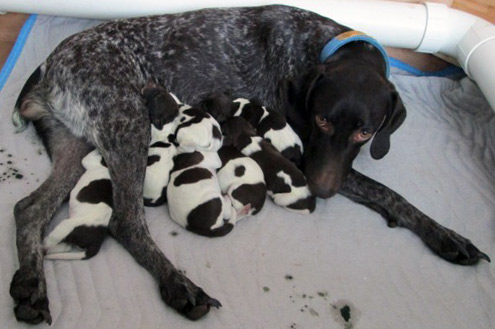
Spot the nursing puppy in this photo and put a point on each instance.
(269, 124)
(90, 204)
(195, 200)
(242, 179)
(197, 130)
(285, 183)
(163, 109)
(90, 208)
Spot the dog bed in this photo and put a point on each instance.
(340, 267)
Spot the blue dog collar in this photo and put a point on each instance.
(350, 36)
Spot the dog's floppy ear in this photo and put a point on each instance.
(396, 114)
(294, 95)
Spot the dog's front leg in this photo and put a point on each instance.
(123, 142)
(33, 213)
(399, 212)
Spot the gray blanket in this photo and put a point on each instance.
(341, 267)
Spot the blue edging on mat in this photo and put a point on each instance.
(16, 50)
(448, 71)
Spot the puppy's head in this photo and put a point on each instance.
(219, 105)
(336, 109)
(162, 106)
(236, 130)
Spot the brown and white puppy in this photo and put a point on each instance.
(197, 130)
(90, 208)
(285, 183)
(242, 179)
(163, 109)
(195, 200)
(269, 124)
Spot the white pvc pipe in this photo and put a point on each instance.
(429, 27)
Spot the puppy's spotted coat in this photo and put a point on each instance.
(242, 179)
(285, 183)
(269, 124)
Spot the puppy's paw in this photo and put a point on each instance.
(30, 298)
(186, 298)
(455, 248)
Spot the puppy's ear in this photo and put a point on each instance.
(396, 114)
(218, 104)
(149, 88)
(295, 95)
(162, 108)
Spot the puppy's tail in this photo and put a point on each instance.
(18, 120)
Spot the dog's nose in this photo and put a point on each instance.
(324, 183)
(322, 191)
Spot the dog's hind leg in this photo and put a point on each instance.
(123, 142)
(33, 213)
(399, 212)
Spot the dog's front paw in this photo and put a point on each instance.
(455, 248)
(184, 296)
(30, 298)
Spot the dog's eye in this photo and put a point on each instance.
(325, 124)
(321, 120)
(362, 136)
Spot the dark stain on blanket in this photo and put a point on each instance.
(345, 313)
(8, 169)
(318, 304)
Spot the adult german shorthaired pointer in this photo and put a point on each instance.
(87, 94)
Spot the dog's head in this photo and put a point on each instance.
(219, 104)
(336, 109)
(237, 131)
(162, 106)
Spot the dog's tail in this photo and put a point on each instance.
(18, 120)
